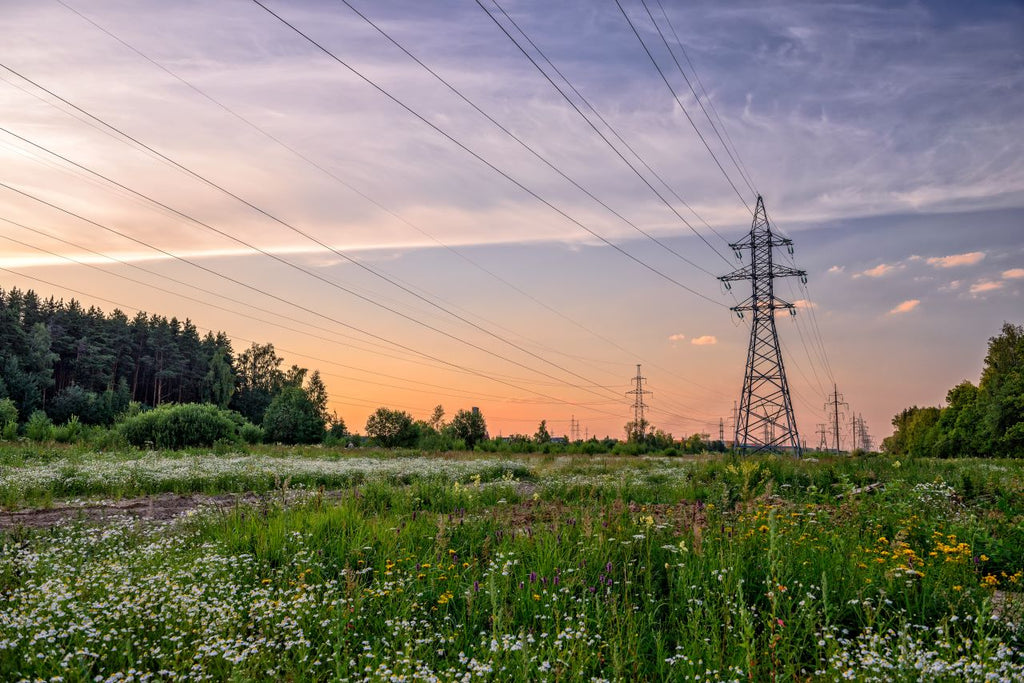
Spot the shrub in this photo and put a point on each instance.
(8, 413)
(180, 426)
(250, 433)
(293, 418)
(39, 426)
(70, 431)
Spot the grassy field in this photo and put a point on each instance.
(383, 566)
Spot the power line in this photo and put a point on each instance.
(302, 233)
(523, 144)
(284, 301)
(382, 207)
(591, 124)
(478, 157)
(739, 166)
(680, 103)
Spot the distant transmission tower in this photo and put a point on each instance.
(862, 435)
(574, 429)
(832, 408)
(765, 406)
(638, 392)
(822, 439)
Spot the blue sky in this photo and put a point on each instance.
(885, 138)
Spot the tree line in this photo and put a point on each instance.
(983, 420)
(60, 360)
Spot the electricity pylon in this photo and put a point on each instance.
(832, 408)
(766, 421)
(638, 392)
(822, 440)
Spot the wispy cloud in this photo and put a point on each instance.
(878, 271)
(985, 286)
(836, 269)
(954, 260)
(905, 307)
(705, 340)
(677, 337)
(804, 303)
(1013, 274)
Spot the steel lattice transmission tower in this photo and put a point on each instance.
(765, 421)
(639, 424)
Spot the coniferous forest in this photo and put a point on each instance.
(66, 360)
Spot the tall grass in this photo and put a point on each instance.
(613, 569)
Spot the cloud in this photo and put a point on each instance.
(804, 303)
(706, 340)
(985, 286)
(1013, 273)
(836, 269)
(677, 337)
(878, 271)
(905, 307)
(954, 260)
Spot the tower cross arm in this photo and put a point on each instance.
(743, 273)
(786, 271)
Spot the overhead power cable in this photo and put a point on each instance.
(480, 158)
(328, 281)
(743, 167)
(680, 103)
(309, 237)
(281, 143)
(694, 92)
(598, 130)
(285, 301)
(522, 143)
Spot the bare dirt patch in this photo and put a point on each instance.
(158, 507)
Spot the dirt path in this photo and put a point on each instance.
(158, 507)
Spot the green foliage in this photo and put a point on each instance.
(391, 428)
(599, 568)
(71, 431)
(39, 426)
(251, 434)
(987, 420)
(219, 381)
(542, 436)
(292, 418)
(259, 379)
(8, 412)
(180, 426)
(470, 427)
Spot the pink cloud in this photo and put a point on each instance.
(706, 340)
(954, 260)
(804, 303)
(836, 269)
(985, 286)
(879, 270)
(905, 307)
(677, 337)
(1013, 273)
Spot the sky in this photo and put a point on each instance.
(396, 194)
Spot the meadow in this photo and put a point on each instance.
(375, 565)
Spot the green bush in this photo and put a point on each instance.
(8, 414)
(70, 432)
(39, 427)
(250, 433)
(180, 426)
(292, 418)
